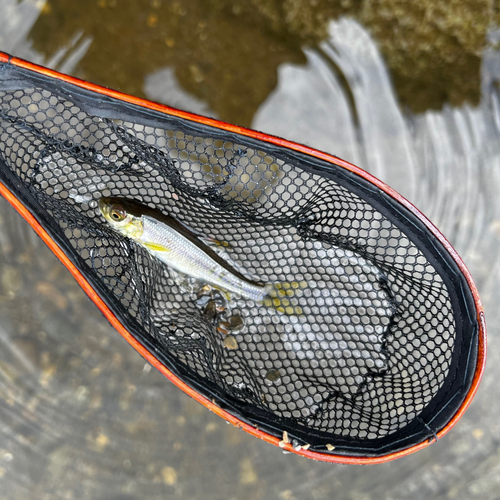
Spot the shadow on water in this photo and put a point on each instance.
(81, 415)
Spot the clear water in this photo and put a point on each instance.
(81, 414)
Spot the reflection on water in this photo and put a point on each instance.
(226, 52)
(81, 415)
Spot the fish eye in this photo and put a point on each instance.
(117, 213)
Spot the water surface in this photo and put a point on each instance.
(409, 96)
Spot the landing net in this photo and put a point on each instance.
(380, 347)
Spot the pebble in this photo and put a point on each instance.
(230, 342)
(273, 375)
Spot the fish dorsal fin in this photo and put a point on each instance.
(208, 240)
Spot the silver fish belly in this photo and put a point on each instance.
(187, 258)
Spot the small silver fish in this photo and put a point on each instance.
(185, 252)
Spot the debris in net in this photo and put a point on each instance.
(330, 447)
(273, 375)
(223, 327)
(236, 323)
(204, 291)
(230, 342)
(213, 309)
(285, 440)
(202, 301)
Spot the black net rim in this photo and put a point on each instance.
(469, 352)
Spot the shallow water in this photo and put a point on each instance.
(83, 416)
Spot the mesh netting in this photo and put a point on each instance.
(373, 349)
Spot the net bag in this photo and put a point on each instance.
(374, 344)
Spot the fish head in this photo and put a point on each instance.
(123, 216)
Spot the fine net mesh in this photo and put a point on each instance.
(365, 335)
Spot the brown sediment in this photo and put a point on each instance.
(433, 48)
(225, 55)
(226, 52)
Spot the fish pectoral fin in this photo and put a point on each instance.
(156, 247)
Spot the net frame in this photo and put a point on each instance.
(17, 72)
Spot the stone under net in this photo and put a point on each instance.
(368, 338)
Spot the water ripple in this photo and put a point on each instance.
(445, 162)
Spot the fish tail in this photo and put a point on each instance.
(282, 297)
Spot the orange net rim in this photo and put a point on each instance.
(324, 457)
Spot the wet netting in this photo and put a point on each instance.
(373, 345)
